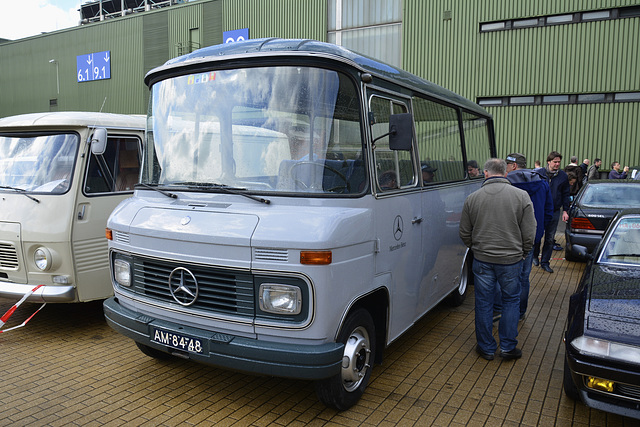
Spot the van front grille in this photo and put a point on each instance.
(8, 257)
(219, 290)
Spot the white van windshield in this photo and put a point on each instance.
(273, 129)
(37, 163)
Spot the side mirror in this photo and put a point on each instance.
(581, 252)
(400, 131)
(99, 141)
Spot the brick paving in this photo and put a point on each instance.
(67, 367)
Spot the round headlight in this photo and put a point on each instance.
(42, 258)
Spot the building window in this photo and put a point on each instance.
(369, 27)
(584, 98)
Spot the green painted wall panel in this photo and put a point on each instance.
(277, 18)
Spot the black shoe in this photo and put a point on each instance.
(546, 268)
(516, 353)
(486, 356)
(557, 247)
(496, 316)
(536, 261)
(521, 318)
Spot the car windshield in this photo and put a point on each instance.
(37, 163)
(623, 246)
(618, 195)
(266, 129)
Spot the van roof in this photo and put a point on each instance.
(73, 119)
(305, 47)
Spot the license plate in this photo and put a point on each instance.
(178, 341)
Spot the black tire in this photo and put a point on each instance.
(457, 297)
(569, 386)
(152, 352)
(343, 390)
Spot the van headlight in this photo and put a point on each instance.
(122, 272)
(42, 258)
(280, 299)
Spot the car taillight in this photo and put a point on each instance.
(582, 223)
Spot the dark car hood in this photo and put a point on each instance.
(614, 302)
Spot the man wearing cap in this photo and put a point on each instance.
(428, 173)
(539, 192)
(499, 226)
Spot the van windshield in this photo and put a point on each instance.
(37, 163)
(266, 129)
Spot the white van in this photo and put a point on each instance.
(55, 197)
(298, 211)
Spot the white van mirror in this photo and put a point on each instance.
(400, 131)
(99, 141)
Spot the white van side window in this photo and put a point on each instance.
(476, 141)
(439, 141)
(116, 170)
(394, 169)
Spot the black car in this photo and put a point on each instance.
(602, 340)
(594, 206)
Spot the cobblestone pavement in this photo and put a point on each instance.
(67, 367)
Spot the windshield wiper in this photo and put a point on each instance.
(151, 187)
(223, 187)
(21, 191)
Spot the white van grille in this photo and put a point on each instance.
(8, 257)
(280, 255)
(120, 237)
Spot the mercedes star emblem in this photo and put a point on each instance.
(183, 286)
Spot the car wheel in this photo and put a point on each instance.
(152, 352)
(344, 389)
(570, 388)
(456, 298)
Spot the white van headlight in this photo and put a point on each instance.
(122, 272)
(280, 299)
(42, 258)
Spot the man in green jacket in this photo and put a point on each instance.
(499, 226)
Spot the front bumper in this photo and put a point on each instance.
(624, 400)
(49, 293)
(228, 351)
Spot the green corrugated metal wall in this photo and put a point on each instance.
(593, 57)
(277, 18)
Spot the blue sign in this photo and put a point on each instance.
(94, 66)
(235, 35)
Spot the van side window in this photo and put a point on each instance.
(394, 169)
(116, 170)
(476, 139)
(439, 141)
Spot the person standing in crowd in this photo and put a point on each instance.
(539, 192)
(593, 172)
(537, 164)
(559, 184)
(498, 225)
(577, 171)
(615, 171)
(584, 166)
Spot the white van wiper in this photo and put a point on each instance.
(151, 187)
(223, 187)
(21, 191)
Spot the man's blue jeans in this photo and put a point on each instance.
(487, 276)
(525, 285)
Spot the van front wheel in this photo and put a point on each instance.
(343, 390)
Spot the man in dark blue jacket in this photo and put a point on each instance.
(559, 185)
(538, 189)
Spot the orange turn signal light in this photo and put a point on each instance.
(315, 257)
(108, 233)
